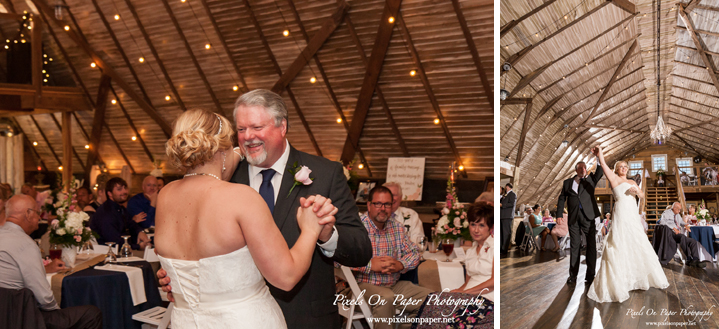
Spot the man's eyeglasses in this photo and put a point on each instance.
(380, 204)
(35, 211)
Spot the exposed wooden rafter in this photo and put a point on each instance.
(244, 88)
(313, 45)
(132, 126)
(509, 26)
(527, 79)
(266, 45)
(625, 5)
(700, 47)
(611, 81)
(107, 69)
(74, 152)
(547, 106)
(525, 127)
(29, 144)
(473, 50)
(690, 6)
(47, 142)
(374, 67)
(97, 121)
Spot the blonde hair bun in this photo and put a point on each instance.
(196, 137)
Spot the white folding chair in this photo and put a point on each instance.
(353, 318)
(564, 242)
(156, 317)
(528, 242)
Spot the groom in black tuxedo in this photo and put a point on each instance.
(261, 120)
(578, 192)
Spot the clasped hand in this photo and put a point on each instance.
(385, 265)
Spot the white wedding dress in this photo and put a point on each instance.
(225, 291)
(628, 260)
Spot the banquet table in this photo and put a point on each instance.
(705, 235)
(109, 291)
(436, 274)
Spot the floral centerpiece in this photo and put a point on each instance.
(453, 224)
(702, 215)
(69, 228)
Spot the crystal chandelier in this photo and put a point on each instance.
(661, 132)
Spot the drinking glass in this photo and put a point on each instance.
(125, 250)
(55, 252)
(448, 247)
(87, 248)
(111, 257)
(422, 244)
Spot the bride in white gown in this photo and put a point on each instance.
(628, 260)
(218, 241)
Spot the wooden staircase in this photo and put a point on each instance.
(657, 200)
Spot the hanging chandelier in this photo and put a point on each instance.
(661, 132)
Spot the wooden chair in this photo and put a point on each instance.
(156, 317)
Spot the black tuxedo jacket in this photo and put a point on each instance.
(584, 195)
(310, 304)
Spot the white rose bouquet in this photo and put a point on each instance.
(70, 227)
(453, 224)
(702, 214)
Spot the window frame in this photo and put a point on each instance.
(666, 164)
(641, 168)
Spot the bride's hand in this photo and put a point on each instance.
(308, 221)
(632, 190)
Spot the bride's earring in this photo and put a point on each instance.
(224, 157)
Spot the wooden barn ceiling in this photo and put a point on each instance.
(195, 51)
(589, 68)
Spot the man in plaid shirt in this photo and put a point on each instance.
(392, 254)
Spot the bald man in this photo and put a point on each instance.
(142, 206)
(21, 267)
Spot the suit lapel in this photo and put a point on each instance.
(241, 175)
(284, 202)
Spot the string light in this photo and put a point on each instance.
(87, 147)
(360, 166)
(91, 65)
(436, 121)
(286, 33)
(183, 1)
(134, 138)
(59, 168)
(114, 101)
(412, 73)
(39, 168)
(461, 168)
(142, 59)
(167, 98)
(339, 120)
(235, 88)
(313, 79)
(34, 143)
(117, 17)
(207, 46)
(67, 27)
(390, 19)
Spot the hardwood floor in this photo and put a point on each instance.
(534, 294)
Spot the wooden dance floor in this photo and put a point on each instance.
(534, 294)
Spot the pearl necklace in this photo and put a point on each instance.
(203, 174)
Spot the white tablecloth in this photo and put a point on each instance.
(134, 276)
(451, 274)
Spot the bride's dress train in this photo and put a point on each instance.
(628, 260)
(225, 291)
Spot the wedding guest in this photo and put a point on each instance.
(5, 194)
(29, 189)
(487, 197)
(672, 219)
(21, 267)
(561, 229)
(112, 220)
(547, 216)
(535, 221)
(392, 254)
(691, 216)
(506, 215)
(142, 206)
(160, 183)
(406, 217)
(85, 200)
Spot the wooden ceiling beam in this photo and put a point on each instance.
(693, 80)
(97, 121)
(428, 89)
(157, 58)
(218, 33)
(527, 79)
(374, 68)
(29, 144)
(564, 161)
(473, 50)
(625, 5)
(694, 49)
(74, 152)
(588, 64)
(692, 147)
(266, 45)
(119, 149)
(109, 29)
(514, 59)
(132, 126)
(715, 34)
(313, 45)
(378, 90)
(544, 110)
(188, 48)
(638, 93)
(515, 101)
(525, 126)
(511, 24)
(611, 81)
(693, 65)
(690, 6)
(610, 128)
(49, 14)
(47, 142)
(700, 48)
(711, 117)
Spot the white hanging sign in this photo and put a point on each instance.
(409, 173)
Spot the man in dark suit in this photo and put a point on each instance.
(506, 216)
(269, 167)
(578, 192)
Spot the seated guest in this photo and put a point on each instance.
(535, 221)
(111, 221)
(559, 230)
(21, 267)
(406, 217)
(674, 221)
(84, 200)
(547, 217)
(5, 194)
(142, 206)
(160, 183)
(691, 217)
(29, 189)
(393, 254)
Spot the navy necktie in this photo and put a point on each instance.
(266, 190)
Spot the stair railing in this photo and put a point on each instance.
(680, 192)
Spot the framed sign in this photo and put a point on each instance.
(409, 173)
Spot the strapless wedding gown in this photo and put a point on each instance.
(628, 260)
(226, 291)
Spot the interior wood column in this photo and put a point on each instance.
(66, 148)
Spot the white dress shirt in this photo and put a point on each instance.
(328, 248)
(408, 217)
(479, 265)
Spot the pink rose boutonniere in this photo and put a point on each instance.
(302, 176)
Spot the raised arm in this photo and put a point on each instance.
(611, 176)
(282, 267)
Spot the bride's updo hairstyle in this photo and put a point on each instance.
(616, 164)
(196, 137)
